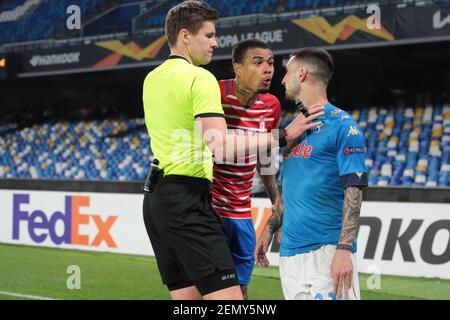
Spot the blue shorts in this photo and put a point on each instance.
(241, 238)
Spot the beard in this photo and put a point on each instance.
(290, 96)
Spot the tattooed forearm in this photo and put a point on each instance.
(270, 184)
(275, 220)
(350, 216)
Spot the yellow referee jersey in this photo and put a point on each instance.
(174, 94)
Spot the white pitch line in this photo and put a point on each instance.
(27, 296)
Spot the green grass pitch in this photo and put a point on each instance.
(37, 272)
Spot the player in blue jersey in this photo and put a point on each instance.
(322, 180)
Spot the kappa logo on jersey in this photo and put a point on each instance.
(335, 112)
(353, 131)
(350, 150)
(300, 151)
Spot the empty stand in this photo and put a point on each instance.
(405, 147)
(92, 150)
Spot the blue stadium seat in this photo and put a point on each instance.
(42, 21)
(84, 150)
(409, 147)
(49, 17)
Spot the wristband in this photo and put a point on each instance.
(344, 247)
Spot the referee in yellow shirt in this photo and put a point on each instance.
(184, 118)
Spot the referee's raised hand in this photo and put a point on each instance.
(302, 122)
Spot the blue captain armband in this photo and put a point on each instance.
(356, 179)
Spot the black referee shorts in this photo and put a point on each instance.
(186, 235)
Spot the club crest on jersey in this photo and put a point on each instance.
(353, 131)
(300, 151)
(318, 128)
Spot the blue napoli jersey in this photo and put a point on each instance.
(317, 168)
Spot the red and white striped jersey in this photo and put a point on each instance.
(232, 185)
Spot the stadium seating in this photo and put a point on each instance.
(225, 8)
(409, 147)
(84, 150)
(31, 20)
(295, 5)
(120, 18)
(405, 147)
(10, 5)
(291, 5)
(42, 20)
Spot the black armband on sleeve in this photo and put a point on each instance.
(358, 179)
(209, 115)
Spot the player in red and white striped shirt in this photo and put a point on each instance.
(249, 109)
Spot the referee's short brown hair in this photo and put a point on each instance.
(188, 15)
(319, 60)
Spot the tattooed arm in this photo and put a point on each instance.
(267, 172)
(342, 265)
(268, 178)
(270, 185)
(275, 220)
(350, 215)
